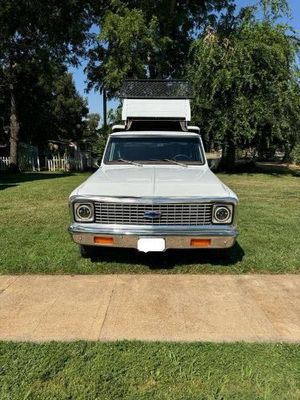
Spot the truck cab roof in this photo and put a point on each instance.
(154, 133)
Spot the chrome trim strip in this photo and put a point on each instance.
(154, 200)
(167, 230)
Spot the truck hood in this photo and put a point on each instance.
(154, 181)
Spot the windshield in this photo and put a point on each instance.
(185, 150)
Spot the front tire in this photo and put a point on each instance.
(86, 251)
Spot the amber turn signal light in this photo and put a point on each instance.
(103, 240)
(200, 242)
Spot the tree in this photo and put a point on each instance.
(274, 8)
(144, 39)
(92, 132)
(36, 33)
(68, 108)
(114, 117)
(246, 87)
(151, 39)
(91, 128)
(48, 103)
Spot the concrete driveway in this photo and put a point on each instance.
(150, 307)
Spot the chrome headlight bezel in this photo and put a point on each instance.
(78, 205)
(217, 207)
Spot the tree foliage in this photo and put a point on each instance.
(49, 106)
(32, 35)
(146, 39)
(68, 108)
(243, 71)
(91, 126)
(246, 87)
(274, 8)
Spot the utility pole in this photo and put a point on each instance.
(104, 96)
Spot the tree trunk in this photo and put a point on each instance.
(228, 156)
(14, 129)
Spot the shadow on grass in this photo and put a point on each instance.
(4, 186)
(268, 168)
(8, 180)
(171, 258)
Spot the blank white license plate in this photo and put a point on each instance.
(151, 244)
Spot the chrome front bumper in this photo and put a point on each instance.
(176, 237)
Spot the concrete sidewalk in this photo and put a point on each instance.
(150, 307)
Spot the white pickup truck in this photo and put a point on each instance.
(154, 189)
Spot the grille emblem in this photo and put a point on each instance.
(152, 214)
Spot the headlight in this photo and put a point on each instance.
(84, 212)
(222, 213)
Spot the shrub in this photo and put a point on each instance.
(296, 154)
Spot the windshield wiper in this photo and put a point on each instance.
(175, 162)
(129, 162)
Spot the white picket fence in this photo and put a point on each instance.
(4, 163)
(66, 163)
(31, 164)
(56, 163)
(28, 164)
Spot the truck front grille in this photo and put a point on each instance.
(153, 214)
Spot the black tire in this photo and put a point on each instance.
(225, 254)
(86, 251)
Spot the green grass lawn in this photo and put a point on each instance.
(34, 239)
(34, 219)
(137, 370)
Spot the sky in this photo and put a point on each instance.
(94, 98)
